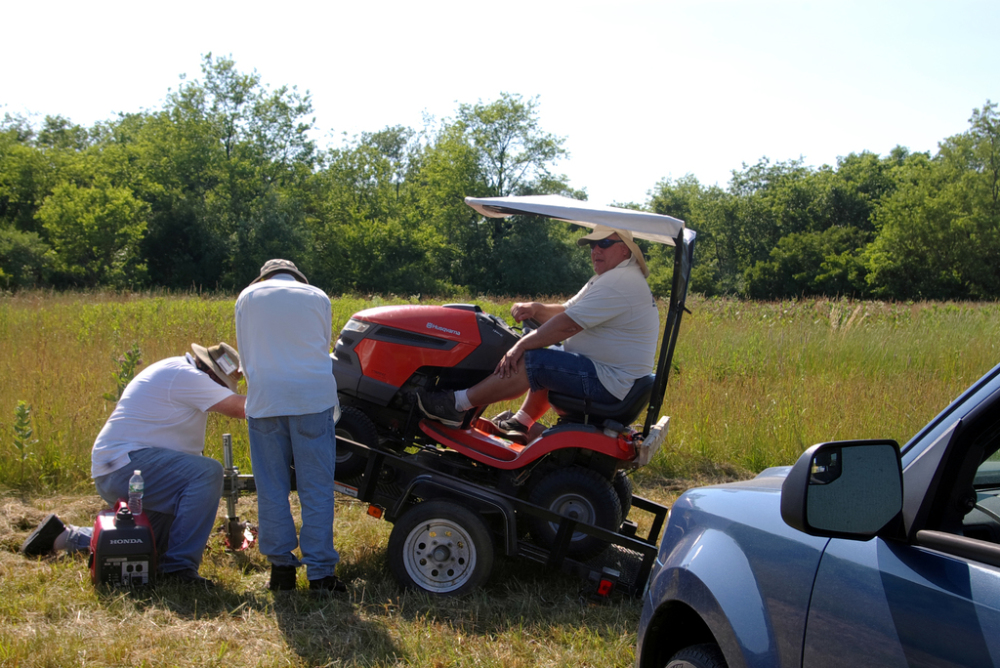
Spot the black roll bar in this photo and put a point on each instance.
(683, 261)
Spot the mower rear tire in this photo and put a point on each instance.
(442, 548)
(623, 488)
(354, 425)
(580, 494)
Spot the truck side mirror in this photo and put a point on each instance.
(844, 489)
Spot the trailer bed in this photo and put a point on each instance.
(391, 484)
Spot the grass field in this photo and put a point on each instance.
(752, 386)
(51, 615)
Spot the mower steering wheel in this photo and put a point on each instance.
(529, 325)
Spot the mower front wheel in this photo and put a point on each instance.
(354, 425)
(442, 548)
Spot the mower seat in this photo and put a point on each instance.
(575, 409)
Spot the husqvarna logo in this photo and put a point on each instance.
(126, 541)
(439, 328)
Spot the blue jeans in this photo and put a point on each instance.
(565, 373)
(181, 498)
(308, 441)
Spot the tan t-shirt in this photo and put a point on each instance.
(620, 326)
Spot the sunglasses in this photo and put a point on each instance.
(605, 243)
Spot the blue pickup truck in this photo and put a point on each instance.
(861, 554)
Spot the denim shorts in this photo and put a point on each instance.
(565, 373)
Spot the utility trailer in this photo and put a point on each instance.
(448, 531)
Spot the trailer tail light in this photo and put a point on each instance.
(375, 511)
(605, 582)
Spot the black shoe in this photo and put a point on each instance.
(188, 576)
(43, 538)
(508, 426)
(440, 406)
(331, 583)
(282, 578)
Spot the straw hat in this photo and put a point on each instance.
(272, 267)
(222, 359)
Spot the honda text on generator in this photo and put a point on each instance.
(575, 469)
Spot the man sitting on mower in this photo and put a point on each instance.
(610, 329)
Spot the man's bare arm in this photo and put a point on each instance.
(232, 406)
(537, 311)
(558, 328)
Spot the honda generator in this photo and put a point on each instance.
(122, 549)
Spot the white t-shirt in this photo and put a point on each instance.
(620, 326)
(165, 406)
(284, 329)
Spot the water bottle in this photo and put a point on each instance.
(135, 489)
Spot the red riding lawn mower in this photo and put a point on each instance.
(576, 468)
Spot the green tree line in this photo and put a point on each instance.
(199, 193)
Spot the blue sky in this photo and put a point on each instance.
(641, 90)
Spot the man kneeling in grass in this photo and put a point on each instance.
(158, 427)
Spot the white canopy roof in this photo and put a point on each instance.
(651, 226)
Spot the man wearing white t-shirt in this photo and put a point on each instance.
(158, 427)
(610, 329)
(284, 330)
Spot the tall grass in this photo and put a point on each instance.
(59, 353)
(753, 384)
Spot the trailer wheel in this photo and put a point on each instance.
(442, 548)
(356, 426)
(582, 495)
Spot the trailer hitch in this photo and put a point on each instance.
(239, 535)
